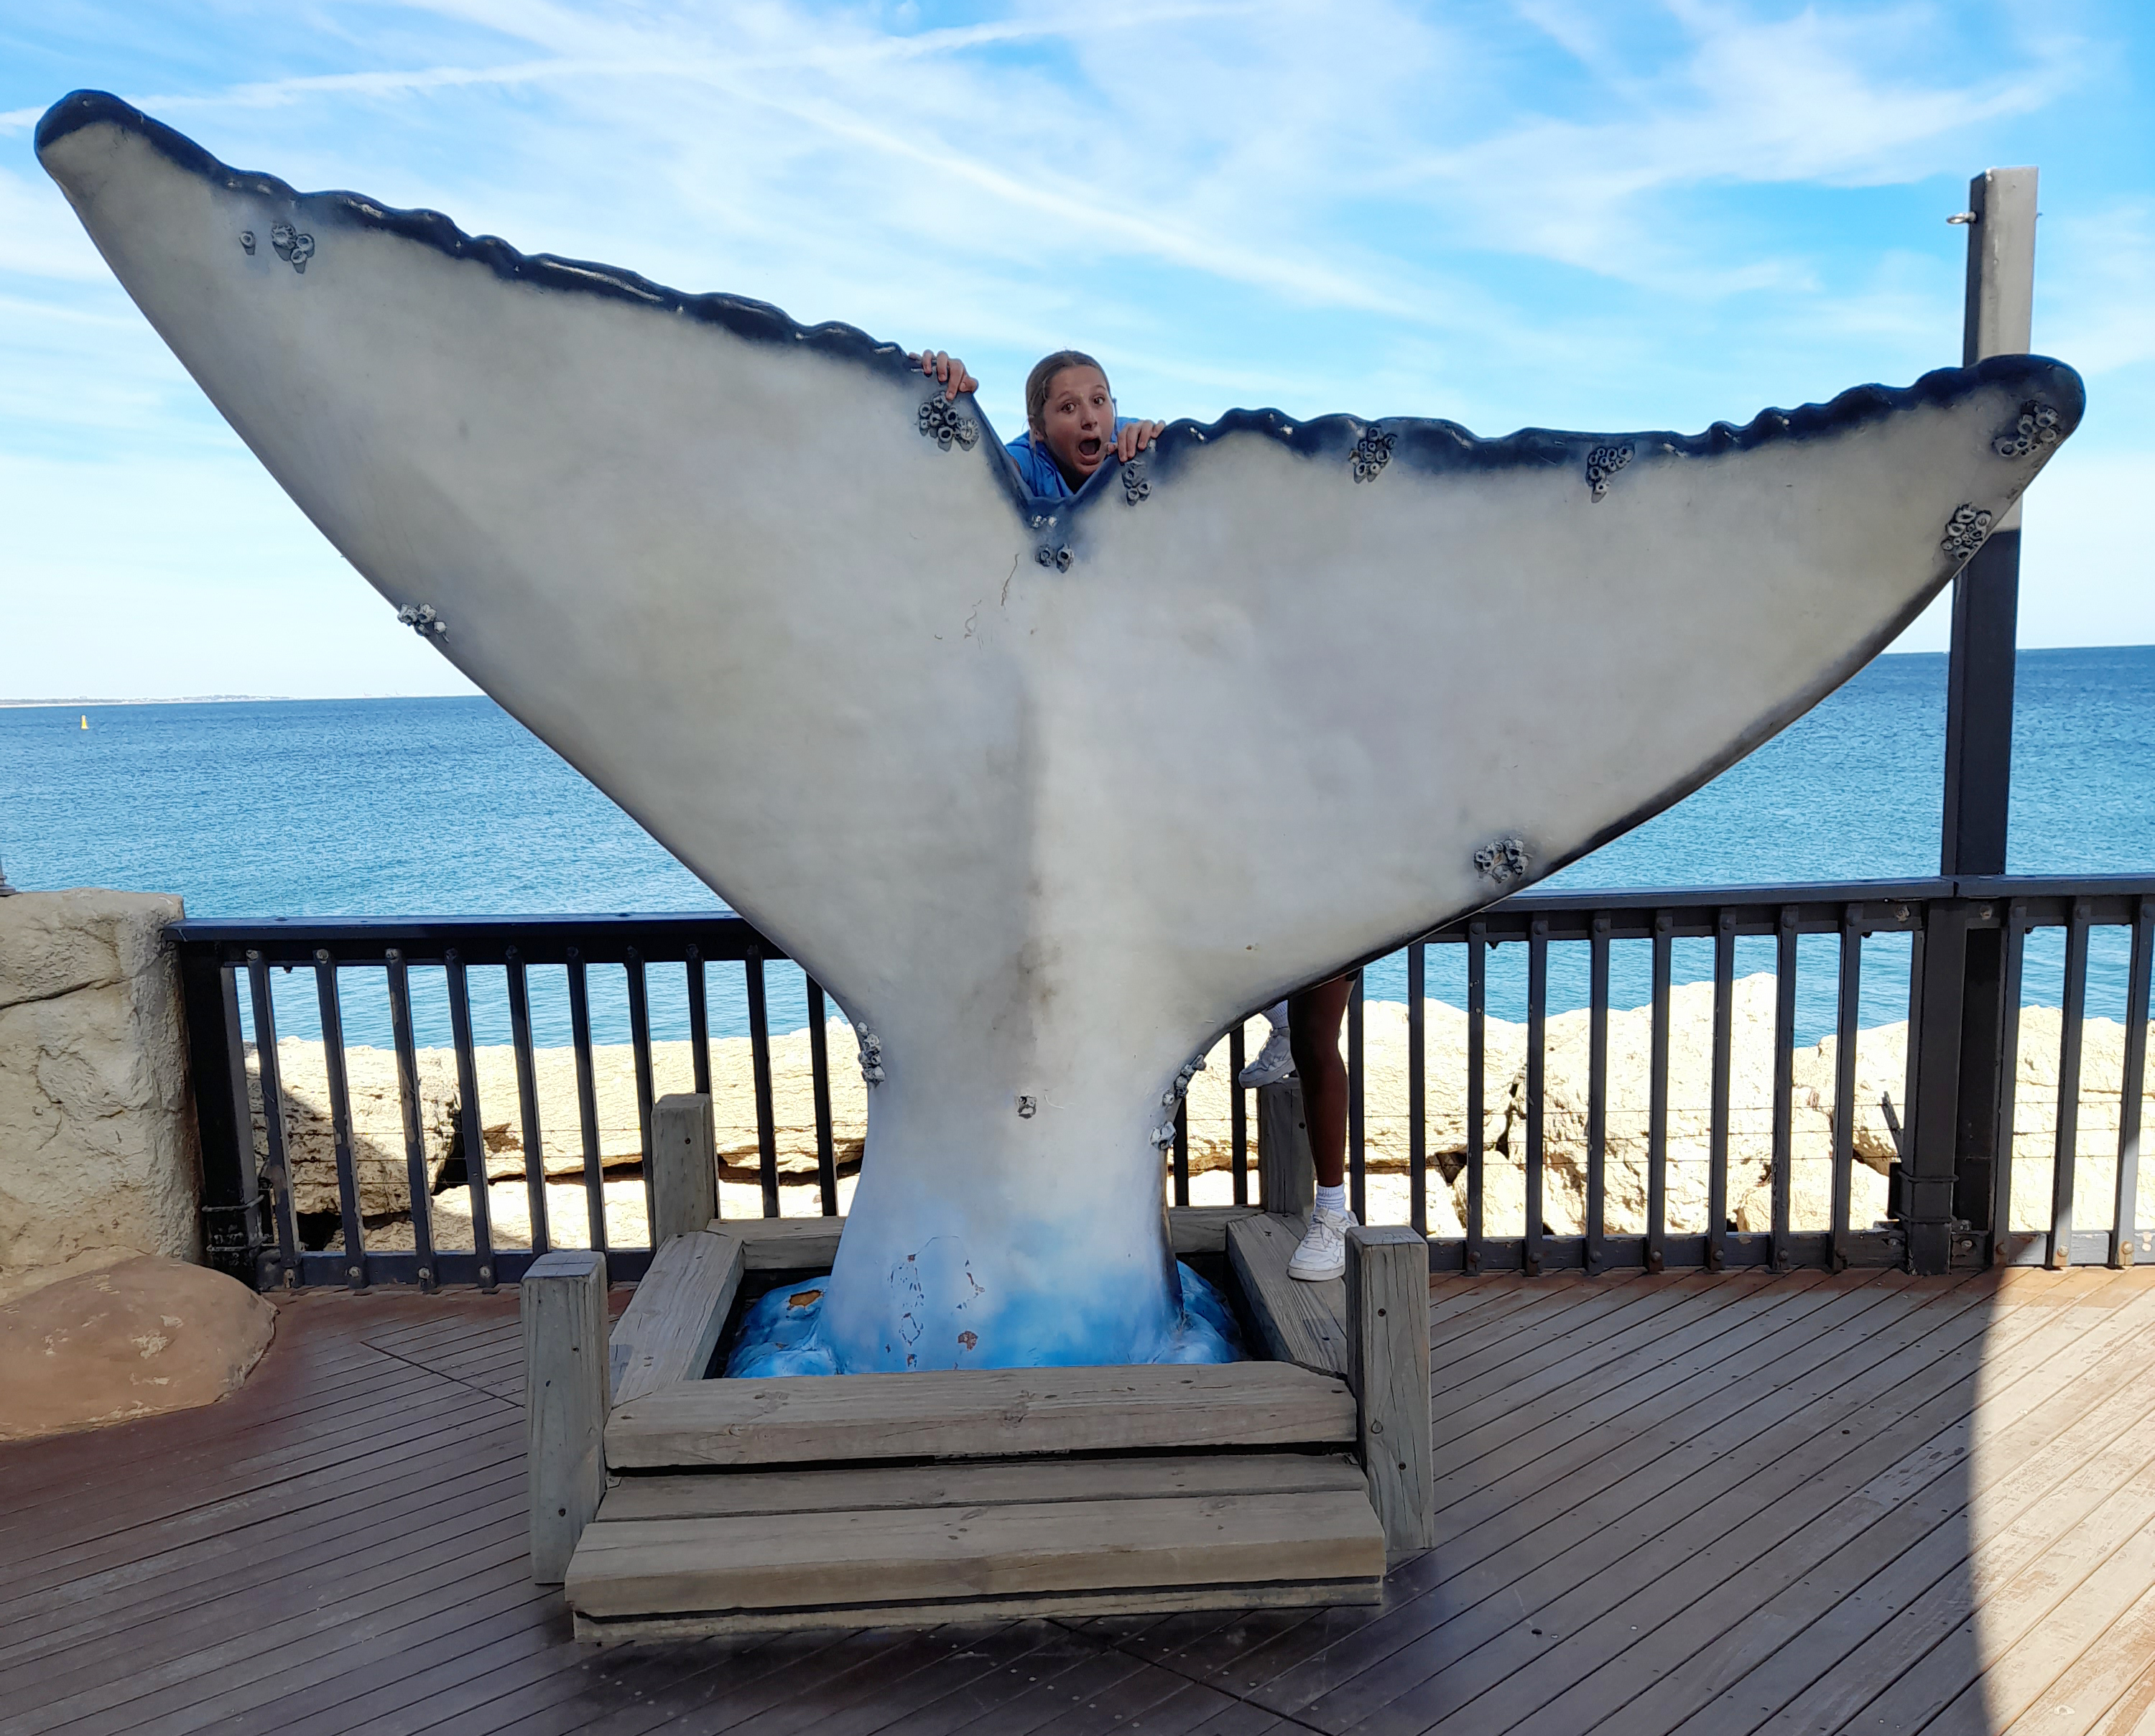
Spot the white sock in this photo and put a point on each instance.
(1332, 1199)
(1275, 1014)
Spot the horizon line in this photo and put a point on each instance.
(84, 701)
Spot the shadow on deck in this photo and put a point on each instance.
(1711, 1503)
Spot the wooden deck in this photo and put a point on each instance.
(1712, 1504)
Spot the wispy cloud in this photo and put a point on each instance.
(1508, 211)
(1812, 99)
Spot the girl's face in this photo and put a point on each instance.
(1078, 421)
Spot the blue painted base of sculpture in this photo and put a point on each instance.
(781, 1333)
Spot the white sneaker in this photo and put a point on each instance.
(1324, 1251)
(1275, 1062)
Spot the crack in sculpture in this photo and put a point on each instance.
(1023, 860)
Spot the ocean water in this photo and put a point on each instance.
(447, 806)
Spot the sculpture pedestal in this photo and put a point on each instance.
(848, 1500)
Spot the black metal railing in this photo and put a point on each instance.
(1951, 1189)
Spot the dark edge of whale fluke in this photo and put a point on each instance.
(1422, 444)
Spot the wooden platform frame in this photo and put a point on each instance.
(1233, 1487)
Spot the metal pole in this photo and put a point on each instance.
(1979, 773)
(233, 1242)
(1979, 770)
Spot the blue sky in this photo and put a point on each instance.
(1587, 215)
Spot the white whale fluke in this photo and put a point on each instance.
(997, 771)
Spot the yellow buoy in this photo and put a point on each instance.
(85, 719)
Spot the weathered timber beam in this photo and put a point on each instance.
(564, 1307)
(1388, 1368)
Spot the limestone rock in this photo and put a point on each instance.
(138, 1337)
(1565, 1102)
(1881, 1089)
(1384, 1076)
(568, 1213)
(1810, 1198)
(98, 1159)
(377, 1122)
(733, 1104)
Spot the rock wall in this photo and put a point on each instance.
(98, 1152)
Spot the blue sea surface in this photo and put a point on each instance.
(399, 807)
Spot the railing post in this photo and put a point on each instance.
(684, 1176)
(1979, 770)
(1286, 1175)
(564, 1307)
(1929, 1172)
(231, 1187)
(1388, 1367)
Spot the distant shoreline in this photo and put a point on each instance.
(189, 700)
(85, 702)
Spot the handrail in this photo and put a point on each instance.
(1951, 1199)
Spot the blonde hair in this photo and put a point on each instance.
(1042, 376)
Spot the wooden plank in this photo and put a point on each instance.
(1632, 1494)
(1287, 1175)
(786, 1244)
(850, 1684)
(828, 1562)
(1499, 1348)
(1704, 1575)
(258, 1628)
(1387, 1286)
(671, 1324)
(1299, 1323)
(1203, 1229)
(684, 1175)
(1027, 1606)
(811, 1244)
(977, 1483)
(1860, 1616)
(2095, 1687)
(177, 1580)
(987, 1413)
(565, 1358)
(2032, 1595)
(1556, 1373)
(561, 1688)
(436, 1408)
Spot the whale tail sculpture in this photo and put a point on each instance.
(991, 767)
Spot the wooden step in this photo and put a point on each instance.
(979, 1413)
(974, 1559)
(979, 1482)
(671, 1324)
(1300, 1323)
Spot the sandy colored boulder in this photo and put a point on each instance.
(1565, 1102)
(2096, 1130)
(568, 1213)
(98, 1156)
(145, 1336)
(673, 1067)
(1881, 1089)
(1810, 1198)
(379, 1161)
(1385, 1088)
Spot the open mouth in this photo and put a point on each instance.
(1089, 451)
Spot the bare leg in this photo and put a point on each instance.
(1314, 1016)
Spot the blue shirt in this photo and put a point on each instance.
(1038, 468)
